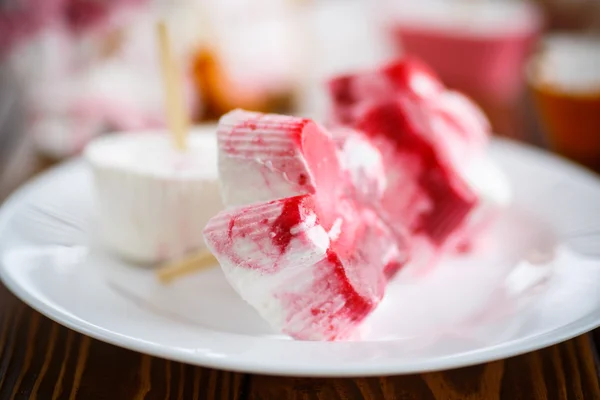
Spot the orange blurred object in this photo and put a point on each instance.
(565, 81)
(572, 123)
(219, 95)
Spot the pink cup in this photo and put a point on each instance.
(477, 47)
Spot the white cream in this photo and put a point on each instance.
(364, 163)
(259, 158)
(255, 266)
(154, 201)
(493, 190)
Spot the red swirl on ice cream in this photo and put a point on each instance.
(275, 156)
(308, 281)
(447, 118)
(424, 194)
(433, 144)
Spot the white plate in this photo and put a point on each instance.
(490, 305)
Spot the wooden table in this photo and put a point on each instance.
(40, 359)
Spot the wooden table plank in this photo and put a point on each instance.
(40, 359)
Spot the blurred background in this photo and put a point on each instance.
(74, 69)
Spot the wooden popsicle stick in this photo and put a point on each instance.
(176, 114)
(195, 262)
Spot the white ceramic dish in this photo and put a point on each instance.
(536, 284)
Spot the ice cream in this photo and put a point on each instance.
(307, 279)
(274, 156)
(153, 200)
(298, 243)
(362, 162)
(310, 239)
(425, 199)
(408, 113)
(447, 118)
(320, 219)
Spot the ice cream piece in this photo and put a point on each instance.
(408, 115)
(265, 157)
(426, 199)
(396, 184)
(312, 258)
(307, 280)
(451, 122)
(153, 200)
(383, 198)
(362, 162)
(351, 94)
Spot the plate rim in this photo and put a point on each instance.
(491, 353)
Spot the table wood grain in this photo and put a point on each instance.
(40, 359)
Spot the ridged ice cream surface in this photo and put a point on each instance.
(153, 200)
(154, 154)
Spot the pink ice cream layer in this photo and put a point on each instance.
(449, 120)
(265, 157)
(308, 280)
(426, 135)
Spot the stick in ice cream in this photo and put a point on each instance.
(178, 124)
(173, 270)
(176, 117)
